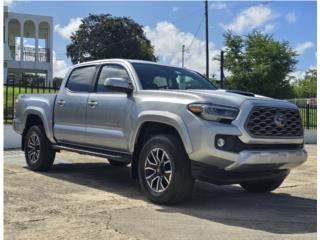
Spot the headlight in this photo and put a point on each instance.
(214, 112)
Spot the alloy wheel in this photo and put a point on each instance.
(158, 170)
(33, 148)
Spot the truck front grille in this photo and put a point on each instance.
(274, 122)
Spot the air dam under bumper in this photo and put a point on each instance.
(268, 160)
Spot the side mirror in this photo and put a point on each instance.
(118, 84)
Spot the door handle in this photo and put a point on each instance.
(61, 103)
(92, 104)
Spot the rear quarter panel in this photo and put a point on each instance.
(40, 105)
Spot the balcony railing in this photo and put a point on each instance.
(29, 54)
(44, 54)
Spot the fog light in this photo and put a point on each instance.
(221, 142)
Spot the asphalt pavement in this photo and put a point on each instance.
(84, 197)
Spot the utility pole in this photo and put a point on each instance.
(182, 58)
(221, 69)
(207, 37)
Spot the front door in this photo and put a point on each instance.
(71, 105)
(108, 112)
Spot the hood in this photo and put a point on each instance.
(225, 97)
(220, 97)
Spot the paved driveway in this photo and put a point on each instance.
(85, 198)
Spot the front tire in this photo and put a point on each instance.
(263, 186)
(164, 170)
(38, 150)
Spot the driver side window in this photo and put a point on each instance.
(110, 71)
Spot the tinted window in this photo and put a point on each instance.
(80, 79)
(154, 76)
(111, 71)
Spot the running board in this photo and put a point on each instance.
(118, 156)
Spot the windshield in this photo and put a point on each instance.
(156, 77)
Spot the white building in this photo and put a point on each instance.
(27, 47)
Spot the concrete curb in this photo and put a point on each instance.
(12, 140)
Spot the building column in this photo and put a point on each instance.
(5, 73)
(36, 42)
(49, 79)
(50, 46)
(21, 40)
(6, 32)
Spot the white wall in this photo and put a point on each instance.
(11, 138)
(310, 136)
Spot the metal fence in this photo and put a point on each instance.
(308, 111)
(13, 89)
(307, 107)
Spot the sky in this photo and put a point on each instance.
(170, 24)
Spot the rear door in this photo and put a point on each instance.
(71, 104)
(108, 111)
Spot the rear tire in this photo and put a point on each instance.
(117, 163)
(263, 186)
(164, 170)
(38, 150)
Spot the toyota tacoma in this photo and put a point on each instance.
(170, 124)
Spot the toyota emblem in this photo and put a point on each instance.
(279, 120)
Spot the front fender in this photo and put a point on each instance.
(168, 118)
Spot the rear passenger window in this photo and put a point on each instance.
(110, 71)
(80, 79)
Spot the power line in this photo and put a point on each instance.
(195, 34)
(173, 22)
(182, 57)
(207, 37)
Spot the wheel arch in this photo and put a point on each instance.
(161, 118)
(152, 125)
(35, 117)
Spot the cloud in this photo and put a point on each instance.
(299, 74)
(291, 17)
(218, 6)
(67, 30)
(175, 9)
(301, 47)
(250, 18)
(167, 40)
(8, 2)
(60, 67)
(268, 28)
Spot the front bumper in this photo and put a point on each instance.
(268, 160)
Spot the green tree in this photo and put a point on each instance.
(306, 87)
(213, 79)
(259, 64)
(103, 36)
(57, 82)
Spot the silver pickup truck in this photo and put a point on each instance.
(171, 124)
